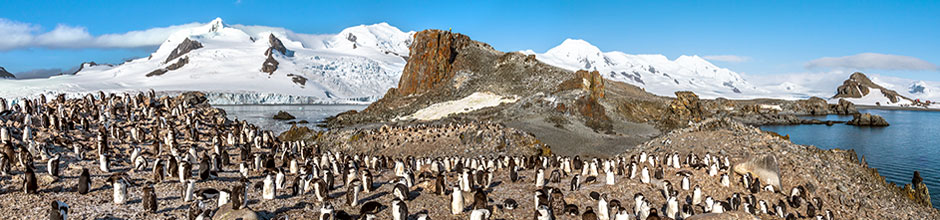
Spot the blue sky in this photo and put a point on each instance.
(753, 37)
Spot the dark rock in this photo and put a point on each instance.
(156, 72)
(300, 80)
(282, 115)
(843, 108)
(868, 119)
(183, 61)
(269, 65)
(183, 48)
(6, 75)
(276, 45)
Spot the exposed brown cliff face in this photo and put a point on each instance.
(431, 61)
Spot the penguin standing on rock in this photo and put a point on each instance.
(149, 201)
(30, 186)
(399, 209)
(84, 182)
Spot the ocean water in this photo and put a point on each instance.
(910, 144)
(261, 115)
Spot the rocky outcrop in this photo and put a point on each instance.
(6, 75)
(868, 119)
(843, 108)
(431, 61)
(684, 109)
(183, 48)
(918, 191)
(282, 115)
(858, 85)
(269, 65)
(275, 45)
(179, 64)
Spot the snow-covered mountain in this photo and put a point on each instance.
(249, 65)
(655, 73)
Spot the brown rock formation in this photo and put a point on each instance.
(917, 190)
(276, 45)
(868, 119)
(684, 109)
(183, 48)
(431, 60)
(269, 65)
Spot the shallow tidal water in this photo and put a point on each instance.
(910, 143)
(261, 115)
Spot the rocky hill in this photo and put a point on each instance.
(450, 77)
(861, 90)
(5, 75)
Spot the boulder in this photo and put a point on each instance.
(868, 119)
(282, 115)
(227, 213)
(763, 167)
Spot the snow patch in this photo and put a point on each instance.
(470, 103)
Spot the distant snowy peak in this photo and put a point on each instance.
(381, 37)
(919, 87)
(859, 89)
(655, 73)
(234, 61)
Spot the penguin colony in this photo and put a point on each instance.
(227, 169)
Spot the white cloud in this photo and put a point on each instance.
(877, 61)
(727, 58)
(19, 35)
(15, 34)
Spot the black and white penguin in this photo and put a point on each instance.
(479, 200)
(326, 212)
(352, 193)
(149, 200)
(400, 191)
(52, 166)
(589, 214)
(367, 181)
(456, 202)
(59, 211)
(30, 186)
(370, 208)
(575, 183)
(84, 182)
(269, 190)
(119, 184)
(480, 214)
(399, 209)
(510, 204)
(571, 210)
(440, 186)
(189, 189)
(543, 212)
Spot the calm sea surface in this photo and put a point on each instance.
(910, 143)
